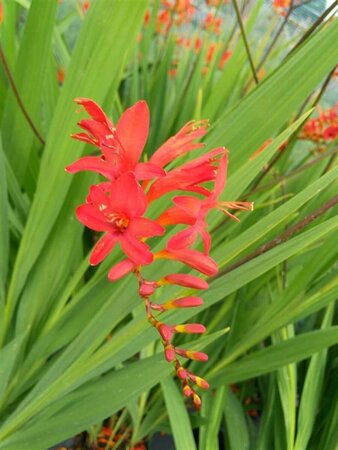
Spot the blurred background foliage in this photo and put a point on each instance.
(78, 357)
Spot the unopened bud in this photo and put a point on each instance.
(190, 354)
(169, 353)
(190, 328)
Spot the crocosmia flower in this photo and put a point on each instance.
(118, 206)
(120, 146)
(119, 213)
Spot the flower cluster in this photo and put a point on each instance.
(173, 12)
(282, 6)
(213, 23)
(323, 128)
(117, 207)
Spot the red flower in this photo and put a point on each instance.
(330, 133)
(188, 177)
(119, 214)
(121, 147)
(193, 211)
(181, 143)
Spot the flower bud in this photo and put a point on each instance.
(183, 302)
(197, 401)
(165, 331)
(187, 391)
(182, 279)
(196, 356)
(190, 328)
(182, 373)
(169, 353)
(200, 382)
(147, 288)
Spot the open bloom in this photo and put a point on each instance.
(120, 146)
(323, 128)
(188, 177)
(181, 143)
(192, 211)
(119, 213)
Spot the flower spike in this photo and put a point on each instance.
(118, 206)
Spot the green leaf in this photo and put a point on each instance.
(4, 229)
(93, 403)
(178, 416)
(269, 222)
(312, 390)
(20, 142)
(8, 358)
(236, 423)
(278, 355)
(93, 52)
(260, 114)
(209, 433)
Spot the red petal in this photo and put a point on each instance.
(84, 138)
(97, 195)
(137, 251)
(127, 196)
(91, 218)
(143, 227)
(132, 130)
(148, 171)
(183, 239)
(206, 241)
(102, 248)
(91, 163)
(120, 270)
(174, 216)
(97, 129)
(191, 205)
(221, 176)
(180, 143)
(94, 110)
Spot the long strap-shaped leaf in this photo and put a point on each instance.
(107, 395)
(97, 61)
(29, 73)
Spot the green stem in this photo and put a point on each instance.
(246, 44)
(17, 96)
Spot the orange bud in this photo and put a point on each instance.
(190, 328)
(183, 302)
(169, 353)
(187, 391)
(182, 279)
(196, 356)
(181, 373)
(165, 331)
(200, 382)
(197, 401)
